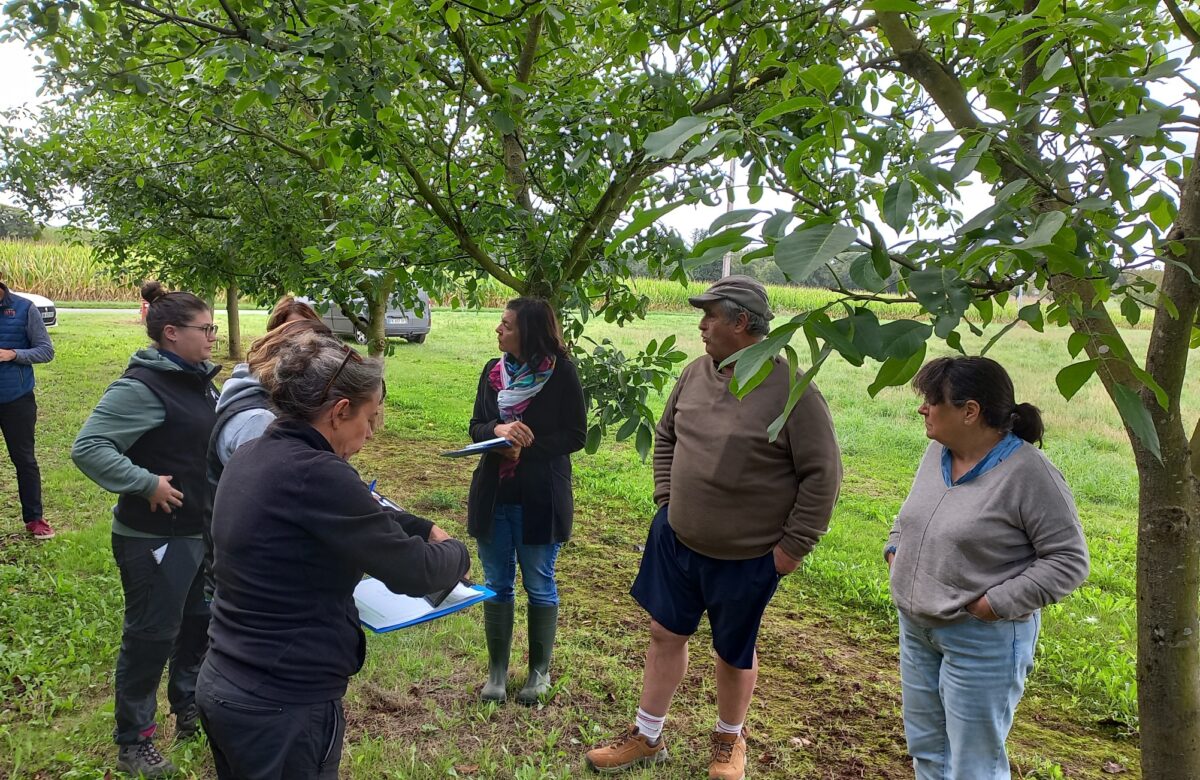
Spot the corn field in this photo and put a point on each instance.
(786, 300)
(65, 272)
(61, 272)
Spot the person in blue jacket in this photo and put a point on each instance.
(23, 342)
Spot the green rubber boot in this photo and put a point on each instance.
(497, 628)
(542, 624)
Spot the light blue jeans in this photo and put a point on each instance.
(501, 553)
(961, 686)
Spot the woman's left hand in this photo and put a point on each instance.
(981, 609)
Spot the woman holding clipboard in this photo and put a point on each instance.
(520, 506)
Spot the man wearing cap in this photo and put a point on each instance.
(736, 513)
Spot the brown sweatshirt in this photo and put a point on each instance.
(732, 493)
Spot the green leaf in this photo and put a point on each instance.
(1075, 376)
(899, 6)
(801, 252)
(705, 147)
(1130, 310)
(944, 294)
(1043, 230)
(798, 386)
(902, 338)
(666, 142)
(592, 443)
(453, 17)
(822, 78)
(503, 121)
(243, 103)
(641, 220)
(897, 204)
(1076, 342)
(1032, 313)
(733, 218)
(725, 238)
(968, 158)
(645, 440)
(897, 371)
(749, 363)
(862, 273)
(1142, 125)
(931, 142)
(1138, 418)
(1160, 394)
(787, 107)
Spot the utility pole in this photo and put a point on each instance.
(727, 258)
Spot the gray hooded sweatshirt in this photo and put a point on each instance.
(246, 425)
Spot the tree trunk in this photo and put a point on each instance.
(377, 305)
(235, 322)
(1168, 579)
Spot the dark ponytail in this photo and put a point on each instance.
(174, 308)
(1027, 423)
(984, 381)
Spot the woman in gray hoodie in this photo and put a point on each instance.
(988, 536)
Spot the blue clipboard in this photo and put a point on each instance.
(381, 610)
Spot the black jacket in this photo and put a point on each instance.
(177, 448)
(294, 529)
(558, 418)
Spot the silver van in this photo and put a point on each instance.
(406, 324)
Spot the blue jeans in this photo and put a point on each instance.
(961, 686)
(501, 553)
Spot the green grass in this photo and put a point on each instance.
(828, 698)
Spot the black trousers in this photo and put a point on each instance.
(253, 738)
(166, 622)
(17, 420)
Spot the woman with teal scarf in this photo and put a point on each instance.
(520, 505)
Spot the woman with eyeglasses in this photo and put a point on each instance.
(294, 529)
(146, 441)
(520, 507)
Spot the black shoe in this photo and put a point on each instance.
(144, 760)
(187, 723)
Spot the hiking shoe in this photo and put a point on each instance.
(187, 723)
(40, 529)
(144, 760)
(628, 750)
(728, 757)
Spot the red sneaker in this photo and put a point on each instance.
(40, 529)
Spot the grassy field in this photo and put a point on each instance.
(828, 700)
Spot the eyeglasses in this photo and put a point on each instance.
(209, 330)
(350, 353)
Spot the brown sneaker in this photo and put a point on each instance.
(625, 752)
(728, 757)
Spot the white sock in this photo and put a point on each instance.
(650, 726)
(726, 728)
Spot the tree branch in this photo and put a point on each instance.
(1185, 27)
(435, 204)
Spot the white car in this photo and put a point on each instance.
(44, 305)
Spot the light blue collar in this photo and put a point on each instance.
(997, 455)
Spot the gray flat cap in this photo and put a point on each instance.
(745, 291)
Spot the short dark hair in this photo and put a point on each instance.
(984, 381)
(168, 308)
(541, 335)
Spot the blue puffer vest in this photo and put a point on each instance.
(15, 379)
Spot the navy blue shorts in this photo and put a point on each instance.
(677, 585)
